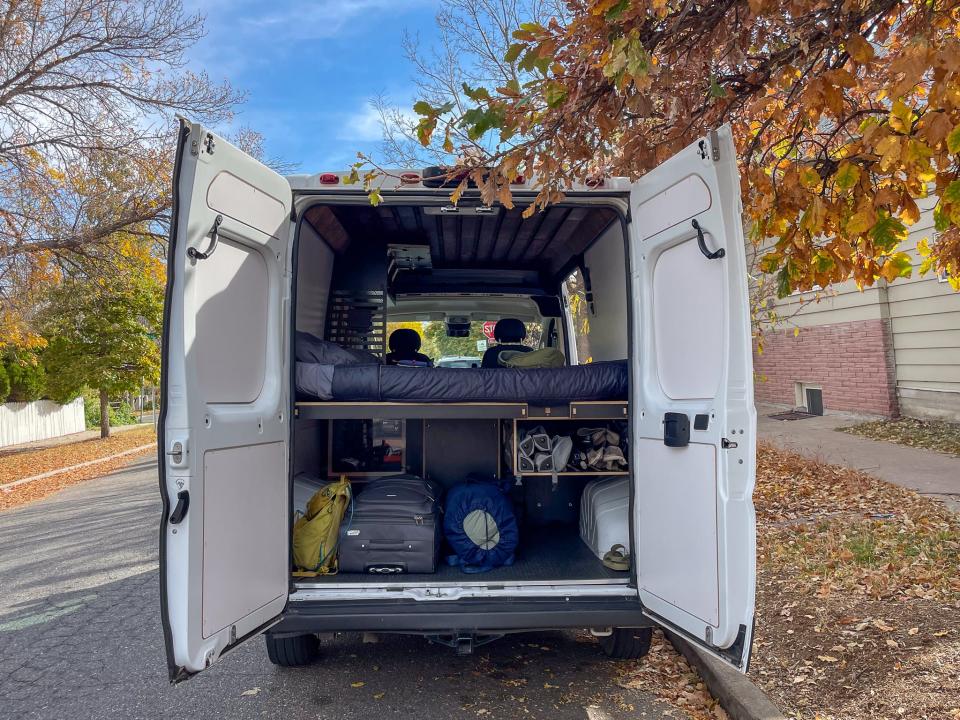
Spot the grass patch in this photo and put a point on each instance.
(927, 434)
(857, 594)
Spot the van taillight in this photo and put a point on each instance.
(329, 179)
(518, 180)
(410, 178)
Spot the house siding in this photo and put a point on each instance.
(921, 321)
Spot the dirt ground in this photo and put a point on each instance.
(858, 594)
(15, 465)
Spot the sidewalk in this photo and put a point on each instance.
(64, 439)
(928, 472)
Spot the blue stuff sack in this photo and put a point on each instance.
(480, 526)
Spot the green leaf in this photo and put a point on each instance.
(769, 263)
(888, 232)
(953, 140)
(716, 90)
(476, 94)
(848, 174)
(375, 197)
(422, 107)
(617, 10)
(554, 93)
(532, 27)
(902, 264)
(783, 283)
(823, 262)
(941, 221)
(478, 121)
(513, 52)
(952, 193)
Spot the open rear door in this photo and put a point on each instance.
(693, 419)
(223, 428)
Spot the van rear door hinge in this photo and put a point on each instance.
(715, 145)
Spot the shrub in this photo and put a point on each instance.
(4, 384)
(26, 376)
(122, 415)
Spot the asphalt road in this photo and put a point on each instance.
(80, 638)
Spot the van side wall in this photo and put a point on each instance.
(314, 265)
(608, 326)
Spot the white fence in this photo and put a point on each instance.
(39, 420)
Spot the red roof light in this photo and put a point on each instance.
(329, 179)
(410, 178)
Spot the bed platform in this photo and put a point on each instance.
(391, 384)
(584, 410)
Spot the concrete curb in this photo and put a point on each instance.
(737, 695)
(50, 473)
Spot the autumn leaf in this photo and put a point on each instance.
(887, 232)
(847, 175)
(859, 49)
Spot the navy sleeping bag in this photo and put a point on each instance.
(480, 526)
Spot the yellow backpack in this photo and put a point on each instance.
(316, 533)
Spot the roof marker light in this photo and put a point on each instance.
(410, 178)
(329, 179)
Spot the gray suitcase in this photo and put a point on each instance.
(394, 528)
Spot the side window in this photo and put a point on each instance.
(578, 317)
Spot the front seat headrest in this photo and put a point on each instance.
(404, 340)
(509, 330)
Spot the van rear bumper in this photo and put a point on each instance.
(470, 615)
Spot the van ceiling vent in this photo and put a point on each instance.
(358, 319)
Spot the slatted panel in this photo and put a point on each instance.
(358, 320)
(545, 241)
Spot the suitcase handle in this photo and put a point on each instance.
(387, 544)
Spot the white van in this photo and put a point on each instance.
(255, 257)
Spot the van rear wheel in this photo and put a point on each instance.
(292, 650)
(627, 643)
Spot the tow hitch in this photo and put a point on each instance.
(463, 643)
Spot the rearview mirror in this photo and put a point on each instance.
(458, 327)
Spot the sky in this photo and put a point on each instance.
(311, 68)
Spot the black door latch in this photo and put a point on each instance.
(183, 502)
(676, 430)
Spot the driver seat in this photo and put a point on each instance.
(509, 333)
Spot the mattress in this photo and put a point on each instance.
(391, 383)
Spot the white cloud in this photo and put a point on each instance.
(326, 18)
(363, 125)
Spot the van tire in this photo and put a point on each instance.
(292, 650)
(627, 643)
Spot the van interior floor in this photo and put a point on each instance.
(552, 553)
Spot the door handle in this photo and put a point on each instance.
(716, 254)
(195, 254)
(183, 502)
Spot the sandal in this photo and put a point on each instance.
(616, 559)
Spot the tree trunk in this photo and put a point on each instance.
(104, 414)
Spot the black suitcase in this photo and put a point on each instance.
(394, 528)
